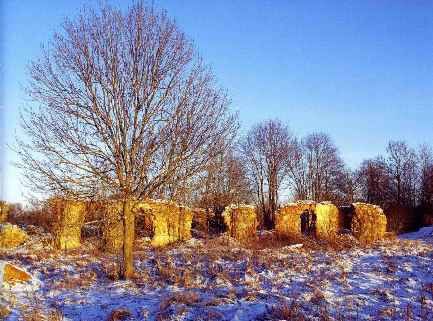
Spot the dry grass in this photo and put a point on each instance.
(84, 280)
(277, 241)
(240, 269)
(284, 311)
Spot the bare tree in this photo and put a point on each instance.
(225, 182)
(298, 172)
(267, 149)
(375, 183)
(398, 183)
(402, 168)
(425, 159)
(348, 187)
(121, 104)
(316, 169)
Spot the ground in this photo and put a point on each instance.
(220, 279)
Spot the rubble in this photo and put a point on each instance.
(11, 236)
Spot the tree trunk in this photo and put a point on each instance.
(127, 270)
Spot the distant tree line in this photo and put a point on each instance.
(401, 181)
(311, 168)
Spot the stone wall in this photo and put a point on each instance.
(288, 218)
(4, 211)
(368, 222)
(328, 219)
(12, 274)
(241, 221)
(68, 219)
(167, 221)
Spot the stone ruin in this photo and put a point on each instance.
(167, 221)
(328, 221)
(164, 221)
(68, 219)
(241, 221)
(4, 211)
(366, 222)
(12, 275)
(10, 235)
(112, 226)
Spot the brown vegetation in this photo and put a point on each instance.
(200, 220)
(39, 216)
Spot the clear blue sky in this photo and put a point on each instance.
(360, 70)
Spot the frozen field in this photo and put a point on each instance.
(217, 279)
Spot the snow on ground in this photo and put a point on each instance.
(424, 233)
(219, 279)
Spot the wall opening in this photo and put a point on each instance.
(347, 211)
(144, 223)
(308, 222)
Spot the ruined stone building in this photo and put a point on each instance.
(163, 221)
(324, 220)
(166, 221)
(241, 221)
(366, 222)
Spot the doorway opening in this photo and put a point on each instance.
(308, 222)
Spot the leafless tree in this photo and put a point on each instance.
(225, 182)
(348, 187)
(425, 159)
(298, 172)
(402, 168)
(398, 183)
(121, 104)
(267, 150)
(317, 169)
(375, 183)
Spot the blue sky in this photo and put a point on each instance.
(360, 70)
